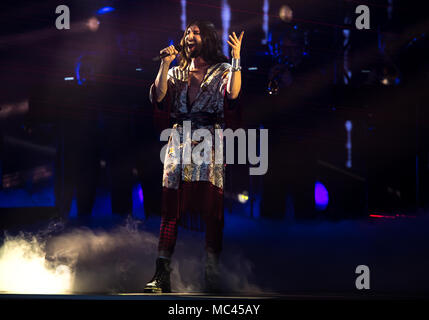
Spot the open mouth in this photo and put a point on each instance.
(192, 45)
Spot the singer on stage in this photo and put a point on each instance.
(199, 90)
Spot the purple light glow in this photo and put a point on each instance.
(321, 196)
(140, 192)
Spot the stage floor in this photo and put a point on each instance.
(261, 258)
(211, 297)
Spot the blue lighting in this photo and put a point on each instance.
(321, 196)
(105, 10)
(183, 16)
(77, 70)
(348, 125)
(138, 202)
(140, 193)
(226, 19)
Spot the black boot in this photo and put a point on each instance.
(160, 282)
(212, 274)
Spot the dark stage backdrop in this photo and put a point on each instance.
(347, 113)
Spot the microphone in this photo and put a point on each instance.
(178, 47)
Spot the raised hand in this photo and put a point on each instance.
(235, 44)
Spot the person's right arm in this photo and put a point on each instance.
(161, 85)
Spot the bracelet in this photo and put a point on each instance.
(235, 65)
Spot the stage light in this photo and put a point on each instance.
(77, 70)
(346, 46)
(86, 72)
(226, 20)
(273, 87)
(265, 20)
(243, 197)
(140, 193)
(390, 216)
(105, 10)
(93, 24)
(183, 15)
(24, 269)
(349, 127)
(68, 78)
(321, 196)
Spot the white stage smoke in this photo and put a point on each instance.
(121, 260)
(24, 269)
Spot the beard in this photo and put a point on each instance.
(195, 51)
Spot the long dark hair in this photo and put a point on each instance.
(211, 50)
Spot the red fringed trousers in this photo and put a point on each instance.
(168, 235)
(187, 206)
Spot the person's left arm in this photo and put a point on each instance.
(234, 83)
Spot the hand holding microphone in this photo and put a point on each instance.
(168, 54)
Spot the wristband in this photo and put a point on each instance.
(235, 64)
